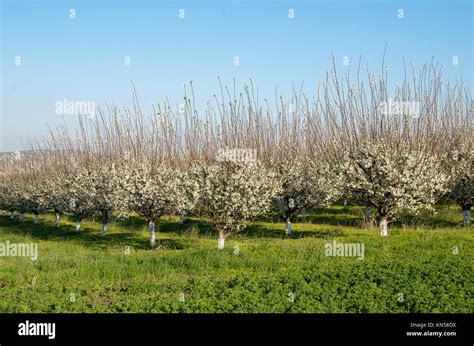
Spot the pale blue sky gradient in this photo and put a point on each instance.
(83, 58)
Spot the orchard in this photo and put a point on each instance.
(396, 150)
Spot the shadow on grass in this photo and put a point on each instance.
(189, 227)
(133, 230)
(252, 231)
(134, 222)
(335, 219)
(351, 210)
(134, 235)
(426, 222)
(260, 231)
(87, 236)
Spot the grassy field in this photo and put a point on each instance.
(414, 269)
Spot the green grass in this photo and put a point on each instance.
(415, 260)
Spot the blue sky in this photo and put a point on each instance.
(83, 58)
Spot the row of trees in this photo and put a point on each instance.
(349, 141)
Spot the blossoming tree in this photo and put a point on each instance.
(150, 190)
(394, 179)
(463, 190)
(232, 193)
(305, 183)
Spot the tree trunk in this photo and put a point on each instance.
(22, 216)
(57, 219)
(221, 241)
(467, 216)
(383, 226)
(36, 217)
(152, 233)
(367, 214)
(105, 218)
(345, 203)
(288, 226)
(12, 216)
(4, 213)
(104, 229)
(181, 218)
(78, 225)
(303, 215)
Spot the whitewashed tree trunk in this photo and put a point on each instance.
(152, 233)
(4, 213)
(221, 241)
(36, 218)
(78, 225)
(303, 214)
(57, 219)
(467, 216)
(22, 216)
(12, 215)
(104, 229)
(345, 203)
(383, 226)
(288, 227)
(181, 218)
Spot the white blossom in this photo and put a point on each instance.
(393, 179)
(231, 193)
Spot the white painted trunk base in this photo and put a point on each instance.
(467, 216)
(22, 216)
(78, 225)
(57, 219)
(36, 219)
(104, 229)
(181, 218)
(220, 243)
(12, 215)
(383, 227)
(288, 227)
(152, 233)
